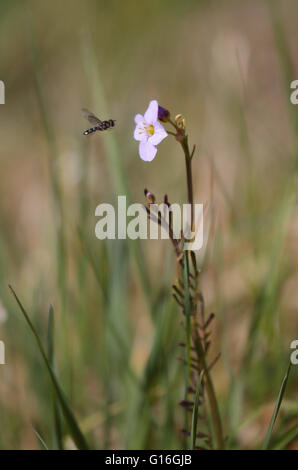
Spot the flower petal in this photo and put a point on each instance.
(152, 112)
(159, 134)
(138, 118)
(140, 133)
(147, 151)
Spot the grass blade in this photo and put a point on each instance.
(56, 408)
(194, 420)
(276, 409)
(42, 442)
(188, 332)
(113, 153)
(73, 426)
(187, 313)
(286, 438)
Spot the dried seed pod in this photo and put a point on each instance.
(149, 196)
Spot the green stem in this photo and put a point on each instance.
(187, 305)
(185, 147)
(214, 409)
(211, 393)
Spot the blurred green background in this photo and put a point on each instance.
(227, 67)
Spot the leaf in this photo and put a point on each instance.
(188, 331)
(56, 407)
(73, 426)
(187, 311)
(286, 438)
(114, 160)
(42, 442)
(194, 421)
(276, 409)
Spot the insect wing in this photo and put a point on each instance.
(91, 117)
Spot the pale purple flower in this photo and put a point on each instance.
(149, 132)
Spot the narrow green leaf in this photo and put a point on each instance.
(114, 160)
(188, 332)
(187, 311)
(40, 439)
(73, 426)
(194, 420)
(276, 409)
(286, 438)
(56, 408)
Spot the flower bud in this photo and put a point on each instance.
(163, 114)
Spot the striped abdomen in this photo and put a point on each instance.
(92, 129)
(101, 127)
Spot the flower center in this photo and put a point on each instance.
(150, 130)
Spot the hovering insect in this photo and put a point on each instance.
(99, 125)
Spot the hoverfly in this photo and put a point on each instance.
(99, 125)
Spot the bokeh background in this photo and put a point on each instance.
(227, 67)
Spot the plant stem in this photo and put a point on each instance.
(211, 393)
(214, 409)
(186, 151)
(187, 308)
